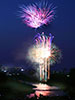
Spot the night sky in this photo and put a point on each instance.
(16, 37)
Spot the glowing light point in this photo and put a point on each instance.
(22, 70)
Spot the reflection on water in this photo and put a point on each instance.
(44, 93)
(44, 87)
(45, 90)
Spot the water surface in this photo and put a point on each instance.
(46, 90)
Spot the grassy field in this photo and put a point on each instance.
(12, 89)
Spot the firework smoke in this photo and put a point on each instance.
(37, 53)
(38, 14)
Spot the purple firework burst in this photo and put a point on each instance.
(38, 14)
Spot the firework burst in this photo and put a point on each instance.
(38, 14)
(45, 53)
(44, 48)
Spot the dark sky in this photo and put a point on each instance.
(16, 37)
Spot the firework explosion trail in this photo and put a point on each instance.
(45, 53)
(38, 14)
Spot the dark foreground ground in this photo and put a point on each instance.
(52, 98)
(14, 87)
